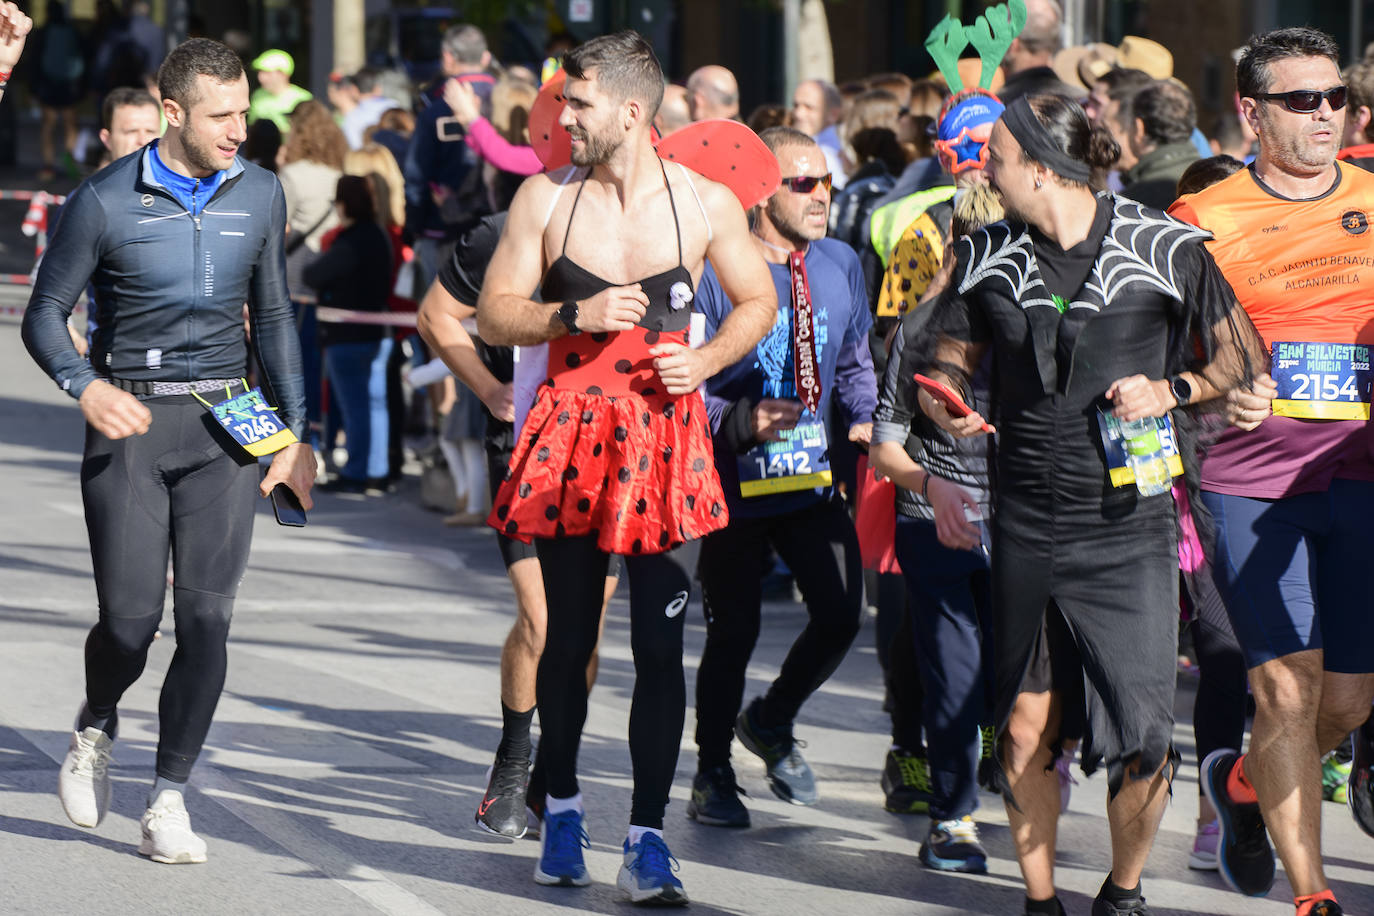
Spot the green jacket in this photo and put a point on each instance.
(277, 107)
(890, 220)
(1153, 181)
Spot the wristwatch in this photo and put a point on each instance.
(567, 313)
(1182, 391)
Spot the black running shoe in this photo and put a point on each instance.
(1244, 856)
(1326, 908)
(789, 775)
(1359, 792)
(534, 800)
(715, 799)
(1133, 907)
(906, 782)
(502, 810)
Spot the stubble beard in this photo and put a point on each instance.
(595, 150)
(795, 232)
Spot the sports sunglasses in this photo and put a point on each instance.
(1306, 101)
(805, 184)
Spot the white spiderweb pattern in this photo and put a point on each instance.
(1139, 248)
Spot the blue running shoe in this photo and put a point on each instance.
(647, 875)
(561, 861)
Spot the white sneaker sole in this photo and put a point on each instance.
(665, 896)
(561, 880)
(1200, 862)
(182, 858)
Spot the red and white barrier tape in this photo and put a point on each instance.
(345, 316)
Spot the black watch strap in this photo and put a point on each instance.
(567, 313)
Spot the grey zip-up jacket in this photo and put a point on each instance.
(169, 286)
(899, 418)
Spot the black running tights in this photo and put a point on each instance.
(1219, 707)
(186, 490)
(574, 585)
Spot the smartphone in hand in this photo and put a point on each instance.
(947, 396)
(287, 507)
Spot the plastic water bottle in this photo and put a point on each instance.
(1145, 457)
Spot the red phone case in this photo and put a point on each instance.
(952, 401)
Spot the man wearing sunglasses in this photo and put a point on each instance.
(770, 419)
(1293, 497)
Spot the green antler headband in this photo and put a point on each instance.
(991, 35)
(945, 43)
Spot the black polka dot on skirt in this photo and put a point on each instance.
(716, 510)
(534, 439)
(621, 433)
(562, 418)
(594, 389)
(668, 453)
(511, 527)
(600, 336)
(573, 360)
(663, 539)
(643, 463)
(647, 393)
(524, 490)
(503, 511)
(584, 504)
(570, 473)
(668, 410)
(551, 513)
(624, 475)
(699, 465)
(637, 546)
(596, 450)
(543, 453)
(588, 416)
(624, 366)
(651, 337)
(645, 418)
(691, 501)
(641, 506)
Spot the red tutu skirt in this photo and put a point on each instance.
(636, 472)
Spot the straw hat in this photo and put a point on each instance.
(1083, 65)
(1143, 54)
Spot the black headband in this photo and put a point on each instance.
(1039, 145)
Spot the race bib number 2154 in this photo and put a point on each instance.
(1322, 381)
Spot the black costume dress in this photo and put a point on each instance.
(1065, 538)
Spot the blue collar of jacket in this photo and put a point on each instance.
(191, 193)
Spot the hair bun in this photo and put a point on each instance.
(1103, 151)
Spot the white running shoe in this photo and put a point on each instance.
(167, 835)
(84, 783)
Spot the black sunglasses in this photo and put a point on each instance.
(805, 184)
(1306, 101)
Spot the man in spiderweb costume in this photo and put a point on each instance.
(1088, 305)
